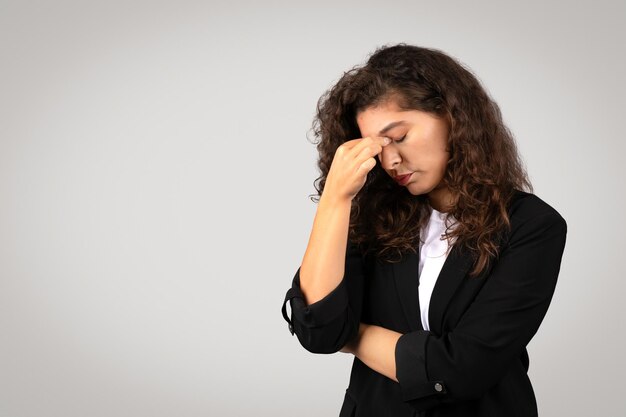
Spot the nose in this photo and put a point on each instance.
(389, 157)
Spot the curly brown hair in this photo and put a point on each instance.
(483, 171)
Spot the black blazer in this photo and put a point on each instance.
(473, 361)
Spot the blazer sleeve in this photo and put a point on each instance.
(328, 324)
(465, 362)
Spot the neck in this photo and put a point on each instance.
(441, 199)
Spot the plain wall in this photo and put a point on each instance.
(147, 147)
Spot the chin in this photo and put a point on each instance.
(416, 189)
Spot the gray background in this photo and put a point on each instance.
(154, 182)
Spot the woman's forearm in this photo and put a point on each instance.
(323, 265)
(376, 346)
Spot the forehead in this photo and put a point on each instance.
(372, 120)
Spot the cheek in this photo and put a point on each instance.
(438, 163)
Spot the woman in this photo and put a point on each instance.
(430, 260)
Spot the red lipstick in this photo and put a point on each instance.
(403, 179)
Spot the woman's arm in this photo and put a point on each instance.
(375, 346)
(324, 259)
(326, 295)
(323, 264)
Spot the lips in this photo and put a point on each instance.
(402, 179)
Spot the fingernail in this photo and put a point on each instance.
(386, 141)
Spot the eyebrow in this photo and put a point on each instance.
(391, 126)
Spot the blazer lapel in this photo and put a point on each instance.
(406, 277)
(454, 269)
(405, 274)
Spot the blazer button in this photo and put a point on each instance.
(438, 387)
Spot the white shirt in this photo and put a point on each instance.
(433, 254)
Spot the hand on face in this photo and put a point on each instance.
(352, 162)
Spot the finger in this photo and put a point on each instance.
(372, 147)
(366, 166)
(367, 151)
(382, 140)
(351, 143)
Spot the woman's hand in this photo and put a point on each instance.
(352, 162)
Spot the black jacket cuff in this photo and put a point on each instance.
(410, 356)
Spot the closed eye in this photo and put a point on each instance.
(401, 139)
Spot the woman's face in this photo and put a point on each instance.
(422, 153)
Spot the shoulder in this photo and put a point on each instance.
(527, 209)
(526, 206)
